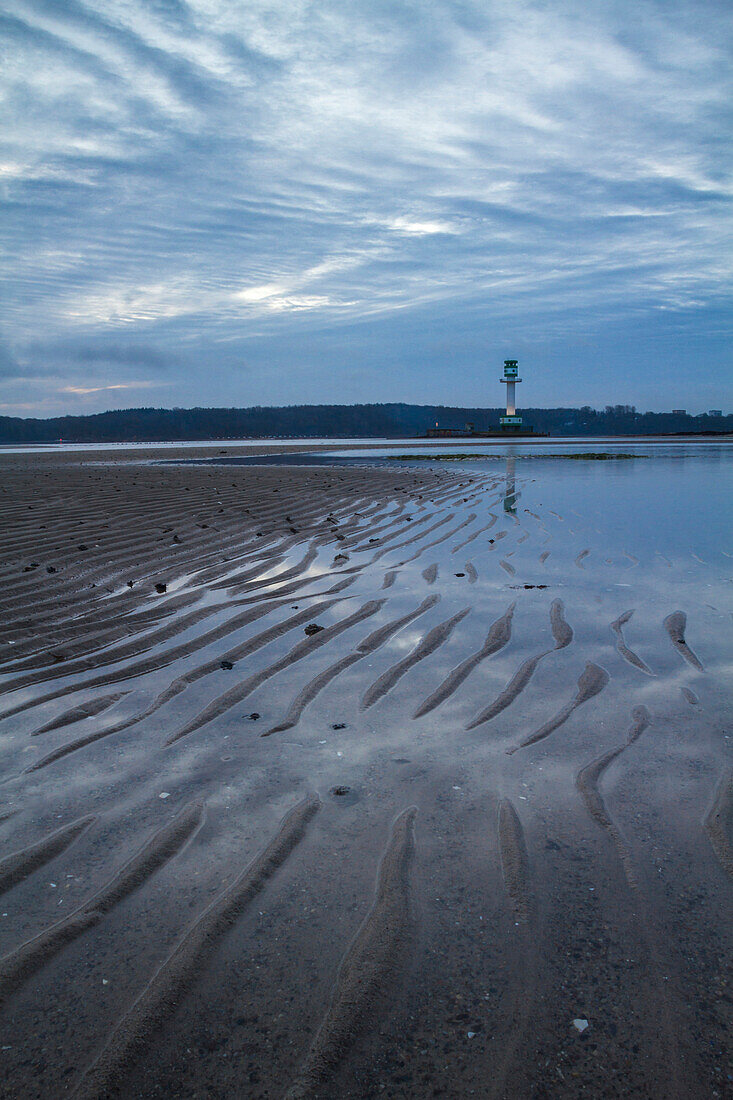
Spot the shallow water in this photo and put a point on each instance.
(541, 889)
(62, 448)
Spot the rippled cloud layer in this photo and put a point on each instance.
(283, 202)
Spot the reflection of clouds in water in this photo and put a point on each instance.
(404, 641)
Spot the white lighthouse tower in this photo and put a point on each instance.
(511, 422)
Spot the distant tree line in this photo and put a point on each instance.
(334, 421)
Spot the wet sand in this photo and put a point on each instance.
(356, 781)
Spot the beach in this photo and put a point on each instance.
(371, 777)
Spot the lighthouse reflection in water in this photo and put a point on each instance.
(511, 496)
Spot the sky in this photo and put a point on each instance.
(238, 202)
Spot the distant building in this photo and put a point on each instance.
(679, 412)
(715, 412)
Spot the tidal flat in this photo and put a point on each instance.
(368, 775)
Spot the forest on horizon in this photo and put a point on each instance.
(375, 421)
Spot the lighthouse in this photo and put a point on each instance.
(511, 422)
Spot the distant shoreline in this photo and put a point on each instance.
(367, 422)
(321, 443)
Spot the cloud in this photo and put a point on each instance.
(128, 355)
(51, 358)
(9, 367)
(193, 189)
(113, 386)
(421, 228)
